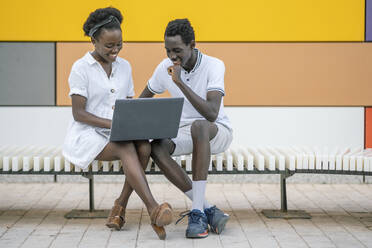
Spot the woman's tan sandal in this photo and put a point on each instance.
(116, 217)
(162, 215)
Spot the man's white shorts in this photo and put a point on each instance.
(218, 144)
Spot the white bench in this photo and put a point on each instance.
(285, 161)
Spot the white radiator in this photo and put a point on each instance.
(269, 158)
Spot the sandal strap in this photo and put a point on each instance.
(117, 211)
(156, 211)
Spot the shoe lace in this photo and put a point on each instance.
(210, 211)
(193, 215)
(183, 215)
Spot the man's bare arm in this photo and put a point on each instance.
(209, 107)
(146, 93)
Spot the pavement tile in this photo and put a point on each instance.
(341, 216)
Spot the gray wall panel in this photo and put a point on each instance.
(27, 73)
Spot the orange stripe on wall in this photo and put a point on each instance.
(368, 126)
(258, 74)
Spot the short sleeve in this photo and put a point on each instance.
(216, 77)
(78, 82)
(156, 82)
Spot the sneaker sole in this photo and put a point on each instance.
(221, 225)
(197, 235)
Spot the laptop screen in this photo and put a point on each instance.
(146, 118)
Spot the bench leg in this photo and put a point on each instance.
(283, 193)
(284, 213)
(91, 213)
(91, 194)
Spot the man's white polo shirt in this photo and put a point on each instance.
(207, 75)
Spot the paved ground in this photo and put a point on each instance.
(31, 215)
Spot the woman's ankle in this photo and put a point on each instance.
(151, 208)
(121, 203)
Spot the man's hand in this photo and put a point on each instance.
(175, 72)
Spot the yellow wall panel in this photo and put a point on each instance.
(258, 74)
(213, 20)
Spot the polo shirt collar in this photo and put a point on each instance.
(198, 60)
(91, 60)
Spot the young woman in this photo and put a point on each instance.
(96, 81)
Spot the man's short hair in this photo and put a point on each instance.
(181, 27)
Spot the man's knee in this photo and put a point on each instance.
(161, 147)
(200, 129)
(156, 147)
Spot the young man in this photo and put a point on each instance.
(204, 127)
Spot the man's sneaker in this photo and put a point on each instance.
(198, 224)
(216, 219)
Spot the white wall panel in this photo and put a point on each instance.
(322, 126)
